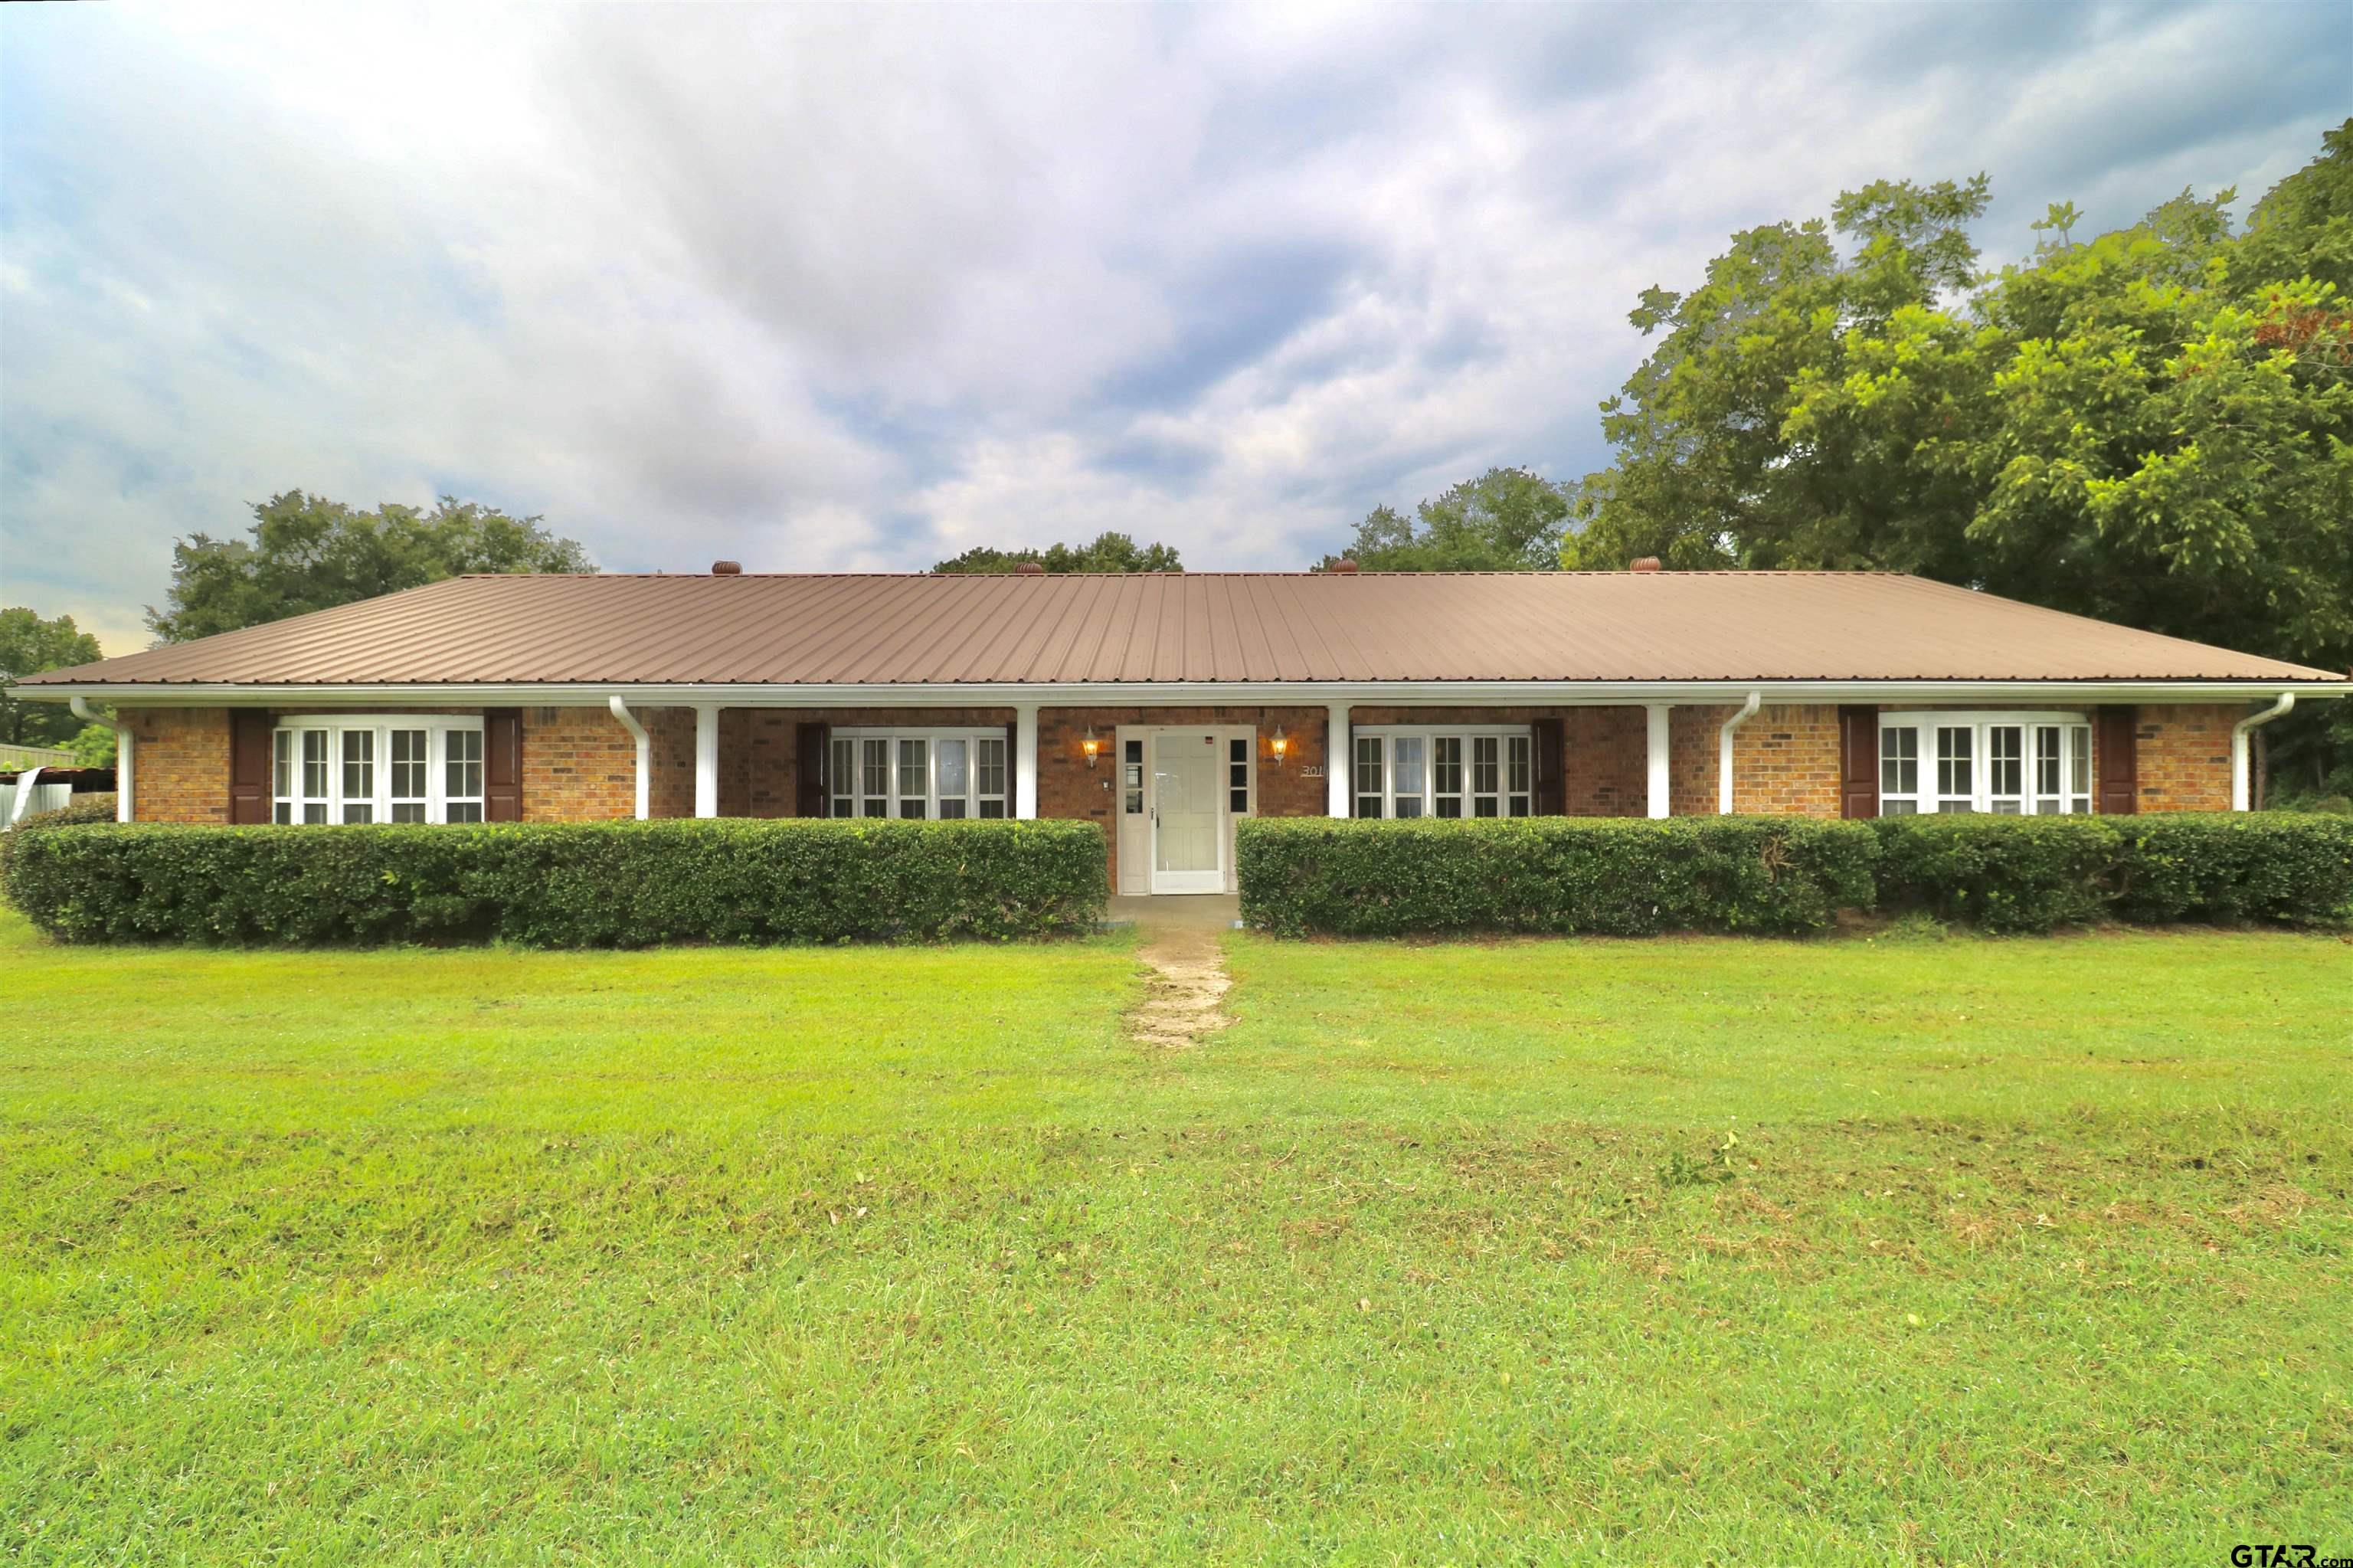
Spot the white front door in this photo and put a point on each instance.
(1188, 813)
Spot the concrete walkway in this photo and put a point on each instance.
(1181, 943)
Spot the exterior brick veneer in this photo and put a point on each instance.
(2183, 754)
(179, 764)
(578, 766)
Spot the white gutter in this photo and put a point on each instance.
(2243, 792)
(1724, 751)
(644, 753)
(122, 742)
(1170, 693)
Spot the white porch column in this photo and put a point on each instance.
(1339, 754)
(1661, 790)
(1025, 761)
(706, 759)
(1724, 751)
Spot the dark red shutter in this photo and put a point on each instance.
(2114, 754)
(502, 765)
(248, 765)
(1858, 761)
(1551, 792)
(811, 748)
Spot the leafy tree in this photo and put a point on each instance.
(29, 645)
(2153, 426)
(95, 747)
(1506, 520)
(308, 552)
(1107, 552)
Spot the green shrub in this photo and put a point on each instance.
(2003, 873)
(569, 886)
(96, 808)
(1561, 875)
(2288, 866)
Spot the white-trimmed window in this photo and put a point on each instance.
(1443, 770)
(376, 767)
(2021, 764)
(937, 773)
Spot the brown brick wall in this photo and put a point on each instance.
(1785, 760)
(2183, 756)
(578, 766)
(179, 764)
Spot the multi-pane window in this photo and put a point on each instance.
(1899, 771)
(1446, 775)
(2008, 763)
(461, 785)
(1131, 766)
(941, 775)
(363, 768)
(1370, 775)
(1443, 772)
(1238, 775)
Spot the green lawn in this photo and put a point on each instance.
(1937, 1252)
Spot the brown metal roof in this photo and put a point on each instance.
(1193, 626)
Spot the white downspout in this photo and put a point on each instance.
(1724, 751)
(2243, 791)
(122, 741)
(645, 754)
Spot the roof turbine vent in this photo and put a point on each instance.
(1029, 569)
(726, 568)
(1345, 563)
(1643, 564)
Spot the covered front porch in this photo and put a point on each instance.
(1168, 781)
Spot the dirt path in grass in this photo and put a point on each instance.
(1180, 1006)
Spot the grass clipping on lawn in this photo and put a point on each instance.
(1966, 1251)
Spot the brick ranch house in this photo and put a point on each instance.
(1166, 706)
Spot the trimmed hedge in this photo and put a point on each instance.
(2035, 873)
(2292, 867)
(2005, 873)
(1612, 877)
(618, 884)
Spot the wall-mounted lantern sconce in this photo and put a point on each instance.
(1280, 745)
(1091, 745)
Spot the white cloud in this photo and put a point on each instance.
(857, 287)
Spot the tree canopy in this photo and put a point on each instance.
(2152, 425)
(1506, 520)
(29, 645)
(1106, 552)
(305, 552)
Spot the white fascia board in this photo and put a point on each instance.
(1187, 694)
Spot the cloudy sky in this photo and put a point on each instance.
(859, 288)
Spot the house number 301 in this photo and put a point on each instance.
(1312, 771)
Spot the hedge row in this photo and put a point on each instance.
(1559, 875)
(573, 886)
(2034, 873)
(1787, 874)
